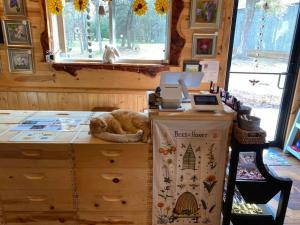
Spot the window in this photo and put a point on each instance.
(82, 36)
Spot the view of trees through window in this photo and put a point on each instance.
(136, 37)
(263, 41)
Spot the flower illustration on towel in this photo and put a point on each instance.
(167, 149)
(209, 183)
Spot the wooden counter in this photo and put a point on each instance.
(76, 177)
(190, 114)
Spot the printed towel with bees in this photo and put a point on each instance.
(188, 171)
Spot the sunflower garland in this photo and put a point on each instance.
(139, 7)
(161, 6)
(55, 6)
(80, 5)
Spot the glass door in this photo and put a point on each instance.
(262, 61)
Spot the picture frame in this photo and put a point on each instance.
(20, 60)
(17, 33)
(14, 8)
(205, 14)
(191, 66)
(204, 45)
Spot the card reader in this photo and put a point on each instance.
(206, 102)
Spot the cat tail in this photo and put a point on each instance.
(120, 138)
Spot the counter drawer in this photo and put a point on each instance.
(33, 155)
(110, 218)
(114, 201)
(40, 218)
(112, 179)
(35, 178)
(112, 155)
(36, 200)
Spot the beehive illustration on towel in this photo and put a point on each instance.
(189, 159)
(186, 205)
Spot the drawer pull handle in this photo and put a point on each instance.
(62, 114)
(36, 198)
(111, 153)
(113, 218)
(116, 220)
(112, 198)
(111, 176)
(34, 176)
(31, 153)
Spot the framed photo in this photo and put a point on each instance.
(205, 14)
(17, 32)
(204, 45)
(20, 60)
(191, 66)
(14, 7)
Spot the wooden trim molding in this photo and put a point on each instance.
(176, 46)
(44, 38)
(177, 42)
(149, 70)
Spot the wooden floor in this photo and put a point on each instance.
(293, 172)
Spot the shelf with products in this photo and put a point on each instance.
(254, 191)
(293, 142)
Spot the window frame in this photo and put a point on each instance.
(177, 43)
(59, 22)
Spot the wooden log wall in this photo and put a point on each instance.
(72, 100)
(48, 89)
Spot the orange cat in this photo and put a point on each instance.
(121, 126)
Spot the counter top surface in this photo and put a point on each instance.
(9, 119)
(189, 113)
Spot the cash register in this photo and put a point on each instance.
(174, 91)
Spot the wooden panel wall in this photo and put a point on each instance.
(116, 82)
(77, 101)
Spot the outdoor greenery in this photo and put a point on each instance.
(130, 31)
(270, 7)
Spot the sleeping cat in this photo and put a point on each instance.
(121, 126)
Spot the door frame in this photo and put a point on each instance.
(290, 81)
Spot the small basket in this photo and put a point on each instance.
(244, 110)
(249, 137)
(249, 123)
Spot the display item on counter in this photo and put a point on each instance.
(246, 208)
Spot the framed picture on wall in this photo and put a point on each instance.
(14, 7)
(20, 60)
(191, 66)
(17, 32)
(204, 45)
(205, 14)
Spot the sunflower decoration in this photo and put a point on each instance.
(139, 7)
(80, 5)
(161, 6)
(55, 6)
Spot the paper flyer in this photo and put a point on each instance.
(34, 136)
(46, 124)
(211, 70)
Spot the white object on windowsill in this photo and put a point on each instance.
(110, 55)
